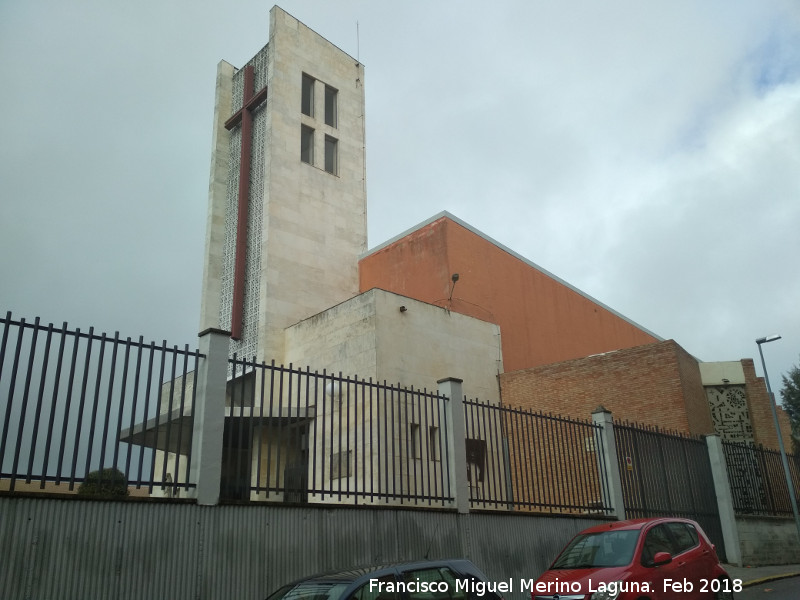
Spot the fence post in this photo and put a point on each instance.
(602, 417)
(209, 416)
(722, 489)
(452, 415)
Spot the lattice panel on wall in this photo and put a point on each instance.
(728, 404)
(247, 346)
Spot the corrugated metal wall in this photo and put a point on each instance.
(81, 549)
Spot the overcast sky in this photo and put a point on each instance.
(646, 152)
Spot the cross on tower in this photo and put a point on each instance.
(244, 115)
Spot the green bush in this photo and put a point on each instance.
(108, 483)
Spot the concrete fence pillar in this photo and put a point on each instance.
(722, 488)
(452, 417)
(209, 416)
(613, 495)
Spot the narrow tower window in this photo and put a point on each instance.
(330, 106)
(331, 155)
(307, 102)
(307, 144)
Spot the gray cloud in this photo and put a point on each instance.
(647, 153)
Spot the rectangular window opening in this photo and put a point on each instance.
(307, 144)
(433, 443)
(307, 102)
(330, 106)
(341, 464)
(415, 449)
(331, 155)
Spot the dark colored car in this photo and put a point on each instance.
(423, 580)
(654, 559)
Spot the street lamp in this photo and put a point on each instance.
(789, 484)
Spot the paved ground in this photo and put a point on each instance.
(755, 575)
(780, 589)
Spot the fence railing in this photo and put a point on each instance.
(667, 474)
(523, 460)
(301, 436)
(78, 406)
(664, 472)
(70, 402)
(758, 480)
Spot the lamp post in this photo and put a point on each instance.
(789, 484)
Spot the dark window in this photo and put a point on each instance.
(330, 106)
(307, 102)
(415, 449)
(307, 144)
(341, 464)
(476, 460)
(433, 443)
(433, 575)
(376, 592)
(331, 155)
(683, 537)
(657, 540)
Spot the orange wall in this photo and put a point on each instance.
(541, 320)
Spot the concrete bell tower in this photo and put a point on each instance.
(287, 196)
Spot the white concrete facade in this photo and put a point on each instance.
(307, 226)
(306, 230)
(722, 373)
(392, 338)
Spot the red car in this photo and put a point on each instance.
(653, 559)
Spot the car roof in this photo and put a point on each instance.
(633, 524)
(356, 574)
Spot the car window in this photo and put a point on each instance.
(684, 540)
(427, 587)
(458, 587)
(309, 590)
(692, 532)
(376, 591)
(612, 548)
(657, 540)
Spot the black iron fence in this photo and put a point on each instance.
(82, 408)
(78, 406)
(301, 436)
(758, 479)
(667, 474)
(523, 460)
(82, 411)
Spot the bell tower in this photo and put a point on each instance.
(287, 192)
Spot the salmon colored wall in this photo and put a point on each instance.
(541, 320)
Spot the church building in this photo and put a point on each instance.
(288, 273)
(287, 223)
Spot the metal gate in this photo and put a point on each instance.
(668, 475)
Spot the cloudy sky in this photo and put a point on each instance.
(646, 152)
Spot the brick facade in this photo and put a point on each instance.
(758, 402)
(656, 383)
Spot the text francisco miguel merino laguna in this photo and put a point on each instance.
(529, 585)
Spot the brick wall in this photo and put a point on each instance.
(698, 413)
(657, 384)
(758, 403)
